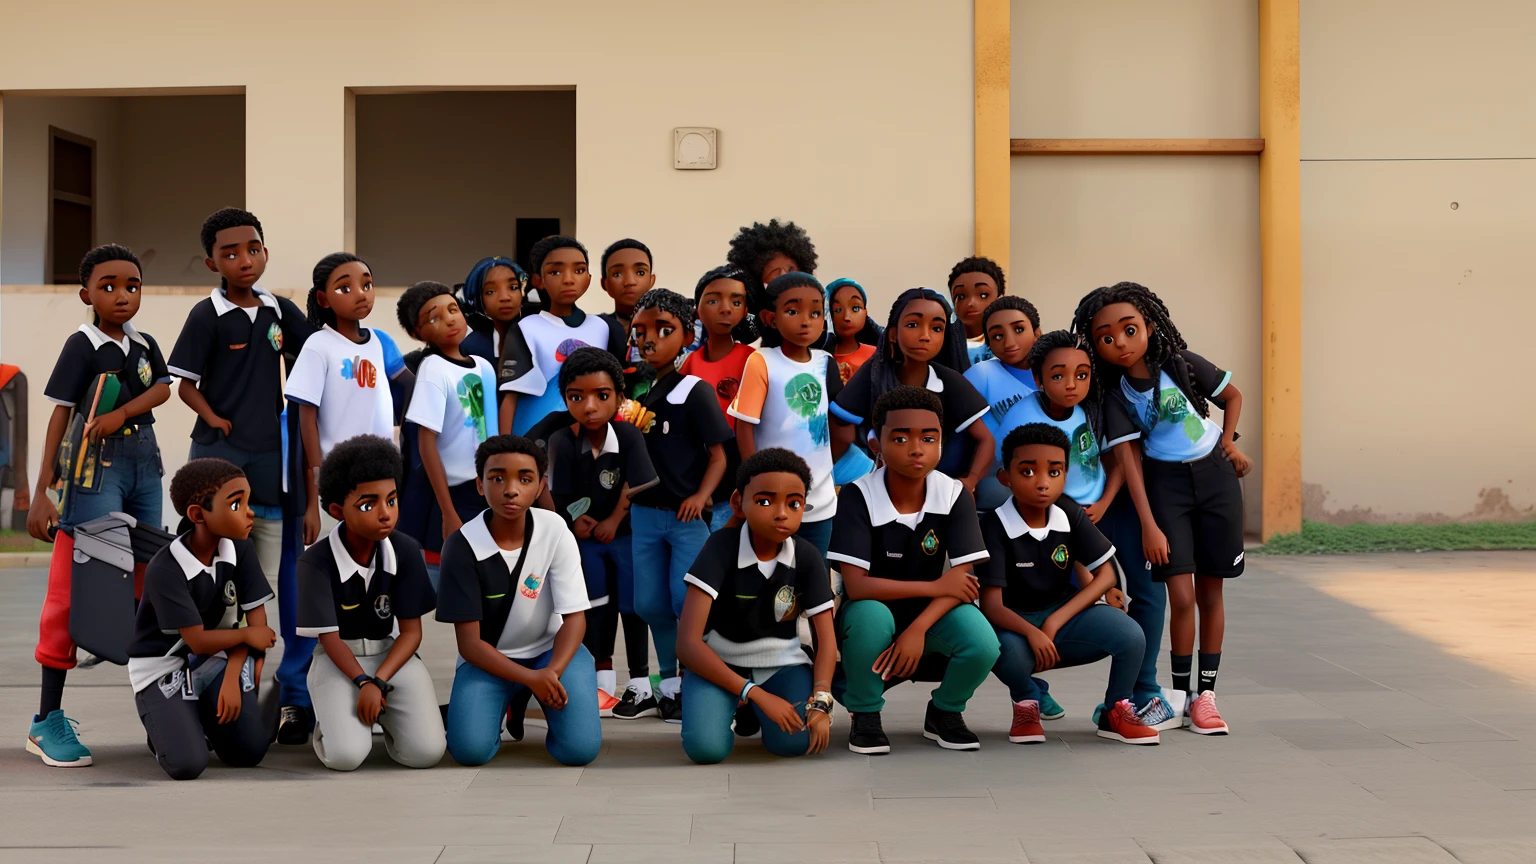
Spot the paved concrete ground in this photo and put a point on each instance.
(1355, 740)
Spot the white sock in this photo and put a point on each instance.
(670, 687)
(606, 681)
(642, 688)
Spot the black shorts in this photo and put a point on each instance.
(1199, 507)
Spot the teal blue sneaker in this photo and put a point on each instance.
(1098, 713)
(53, 738)
(1050, 709)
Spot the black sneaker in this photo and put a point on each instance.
(633, 706)
(515, 712)
(747, 724)
(865, 735)
(293, 724)
(949, 729)
(671, 709)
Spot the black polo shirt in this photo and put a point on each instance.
(361, 601)
(545, 429)
(1033, 566)
(584, 484)
(88, 353)
(180, 592)
(752, 620)
(516, 358)
(963, 405)
(867, 532)
(688, 422)
(236, 361)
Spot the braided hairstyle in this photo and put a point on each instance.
(753, 245)
(748, 330)
(888, 357)
(103, 254)
(469, 292)
(1164, 342)
(319, 315)
(1092, 403)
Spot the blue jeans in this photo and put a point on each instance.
(664, 549)
(130, 484)
(480, 700)
(1149, 598)
(720, 515)
(708, 710)
(1093, 634)
(610, 571)
(818, 534)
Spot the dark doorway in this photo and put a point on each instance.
(71, 203)
(531, 231)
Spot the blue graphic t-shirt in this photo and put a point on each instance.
(1172, 431)
(550, 340)
(1003, 387)
(1085, 473)
(977, 351)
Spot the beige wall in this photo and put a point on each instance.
(443, 177)
(1416, 402)
(1185, 226)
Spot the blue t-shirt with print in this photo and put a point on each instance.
(1172, 431)
(1003, 387)
(1085, 473)
(977, 352)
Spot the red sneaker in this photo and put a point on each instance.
(1203, 717)
(1026, 727)
(605, 703)
(1120, 723)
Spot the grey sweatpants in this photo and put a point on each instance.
(412, 722)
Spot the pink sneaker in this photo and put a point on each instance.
(1026, 727)
(1202, 716)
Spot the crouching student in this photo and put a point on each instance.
(738, 636)
(511, 586)
(201, 629)
(1043, 620)
(905, 538)
(362, 592)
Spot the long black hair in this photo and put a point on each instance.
(888, 357)
(318, 315)
(1164, 342)
(1092, 404)
(869, 334)
(747, 330)
(474, 283)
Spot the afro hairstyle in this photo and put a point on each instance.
(904, 397)
(499, 444)
(753, 245)
(587, 360)
(1034, 433)
(229, 217)
(198, 480)
(408, 309)
(356, 461)
(772, 460)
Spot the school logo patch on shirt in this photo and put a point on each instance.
(143, 370)
(381, 606)
(608, 478)
(1059, 556)
(229, 593)
(361, 371)
(930, 542)
(471, 393)
(532, 584)
(784, 605)
(275, 337)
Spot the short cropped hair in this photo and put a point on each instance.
(499, 444)
(408, 309)
(905, 398)
(772, 460)
(356, 461)
(1016, 303)
(588, 360)
(541, 250)
(1034, 433)
(229, 217)
(197, 481)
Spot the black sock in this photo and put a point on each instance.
(637, 650)
(1209, 663)
(1180, 664)
(53, 691)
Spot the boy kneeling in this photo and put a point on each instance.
(1043, 619)
(358, 589)
(512, 588)
(905, 538)
(738, 636)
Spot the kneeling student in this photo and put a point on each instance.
(738, 636)
(905, 538)
(203, 614)
(358, 589)
(512, 587)
(1043, 620)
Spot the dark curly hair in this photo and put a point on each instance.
(356, 461)
(408, 309)
(103, 254)
(772, 460)
(1093, 402)
(618, 245)
(905, 398)
(753, 245)
(1017, 304)
(198, 480)
(587, 361)
(319, 315)
(776, 289)
(978, 264)
(1035, 433)
(1164, 342)
(498, 444)
(669, 302)
(229, 217)
(748, 330)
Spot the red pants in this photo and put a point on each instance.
(55, 649)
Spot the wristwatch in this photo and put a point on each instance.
(820, 701)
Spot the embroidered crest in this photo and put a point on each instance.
(930, 542)
(381, 606)
(143, 370)
(275, 337)
(1059, 556)
(532, 583)
(608, 479)
(784, 605)
(229, 593)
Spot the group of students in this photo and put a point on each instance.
(806, 522)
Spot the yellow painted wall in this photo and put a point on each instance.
(1416, 403)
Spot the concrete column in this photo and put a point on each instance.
(993, 172)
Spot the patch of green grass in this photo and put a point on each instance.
(21, 541)
(1319, 538)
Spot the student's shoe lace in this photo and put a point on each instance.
(1154, 712)
(61, 729)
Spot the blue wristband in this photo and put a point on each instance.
(745, 689)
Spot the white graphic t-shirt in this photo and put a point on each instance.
(787, 401)
(347, 383)
(550, 340)
(458, 402)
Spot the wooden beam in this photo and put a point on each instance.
(1137, 146)
(994, 201)
(1280, 265)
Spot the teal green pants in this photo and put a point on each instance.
(963, 635)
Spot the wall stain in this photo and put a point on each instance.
(1493, 505)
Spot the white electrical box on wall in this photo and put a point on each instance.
(694, 147)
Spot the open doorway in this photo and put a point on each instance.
(447, 178)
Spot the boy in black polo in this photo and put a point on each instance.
(906, 537)
(358, 589)
(201, 629)
(738, 635)
(512, 588)
(1043, 620)
(594, 468)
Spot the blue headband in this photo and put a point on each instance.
(836, 284)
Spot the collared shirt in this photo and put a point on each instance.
(236, 362)
(361, 601)
(963, 405)
(584, 483)
(755, 603)
(180, 591)
(549, 340)
(347, 383)
(1033, 566)
(477, 584)
(687, 422)
(89, 353)
(457, 400)
(1171, 429)
(870, 534)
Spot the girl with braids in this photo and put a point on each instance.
(339, 380)
(1186, 490)
(720, 303)
(922, 347)
(852, 335)
(492, 300)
